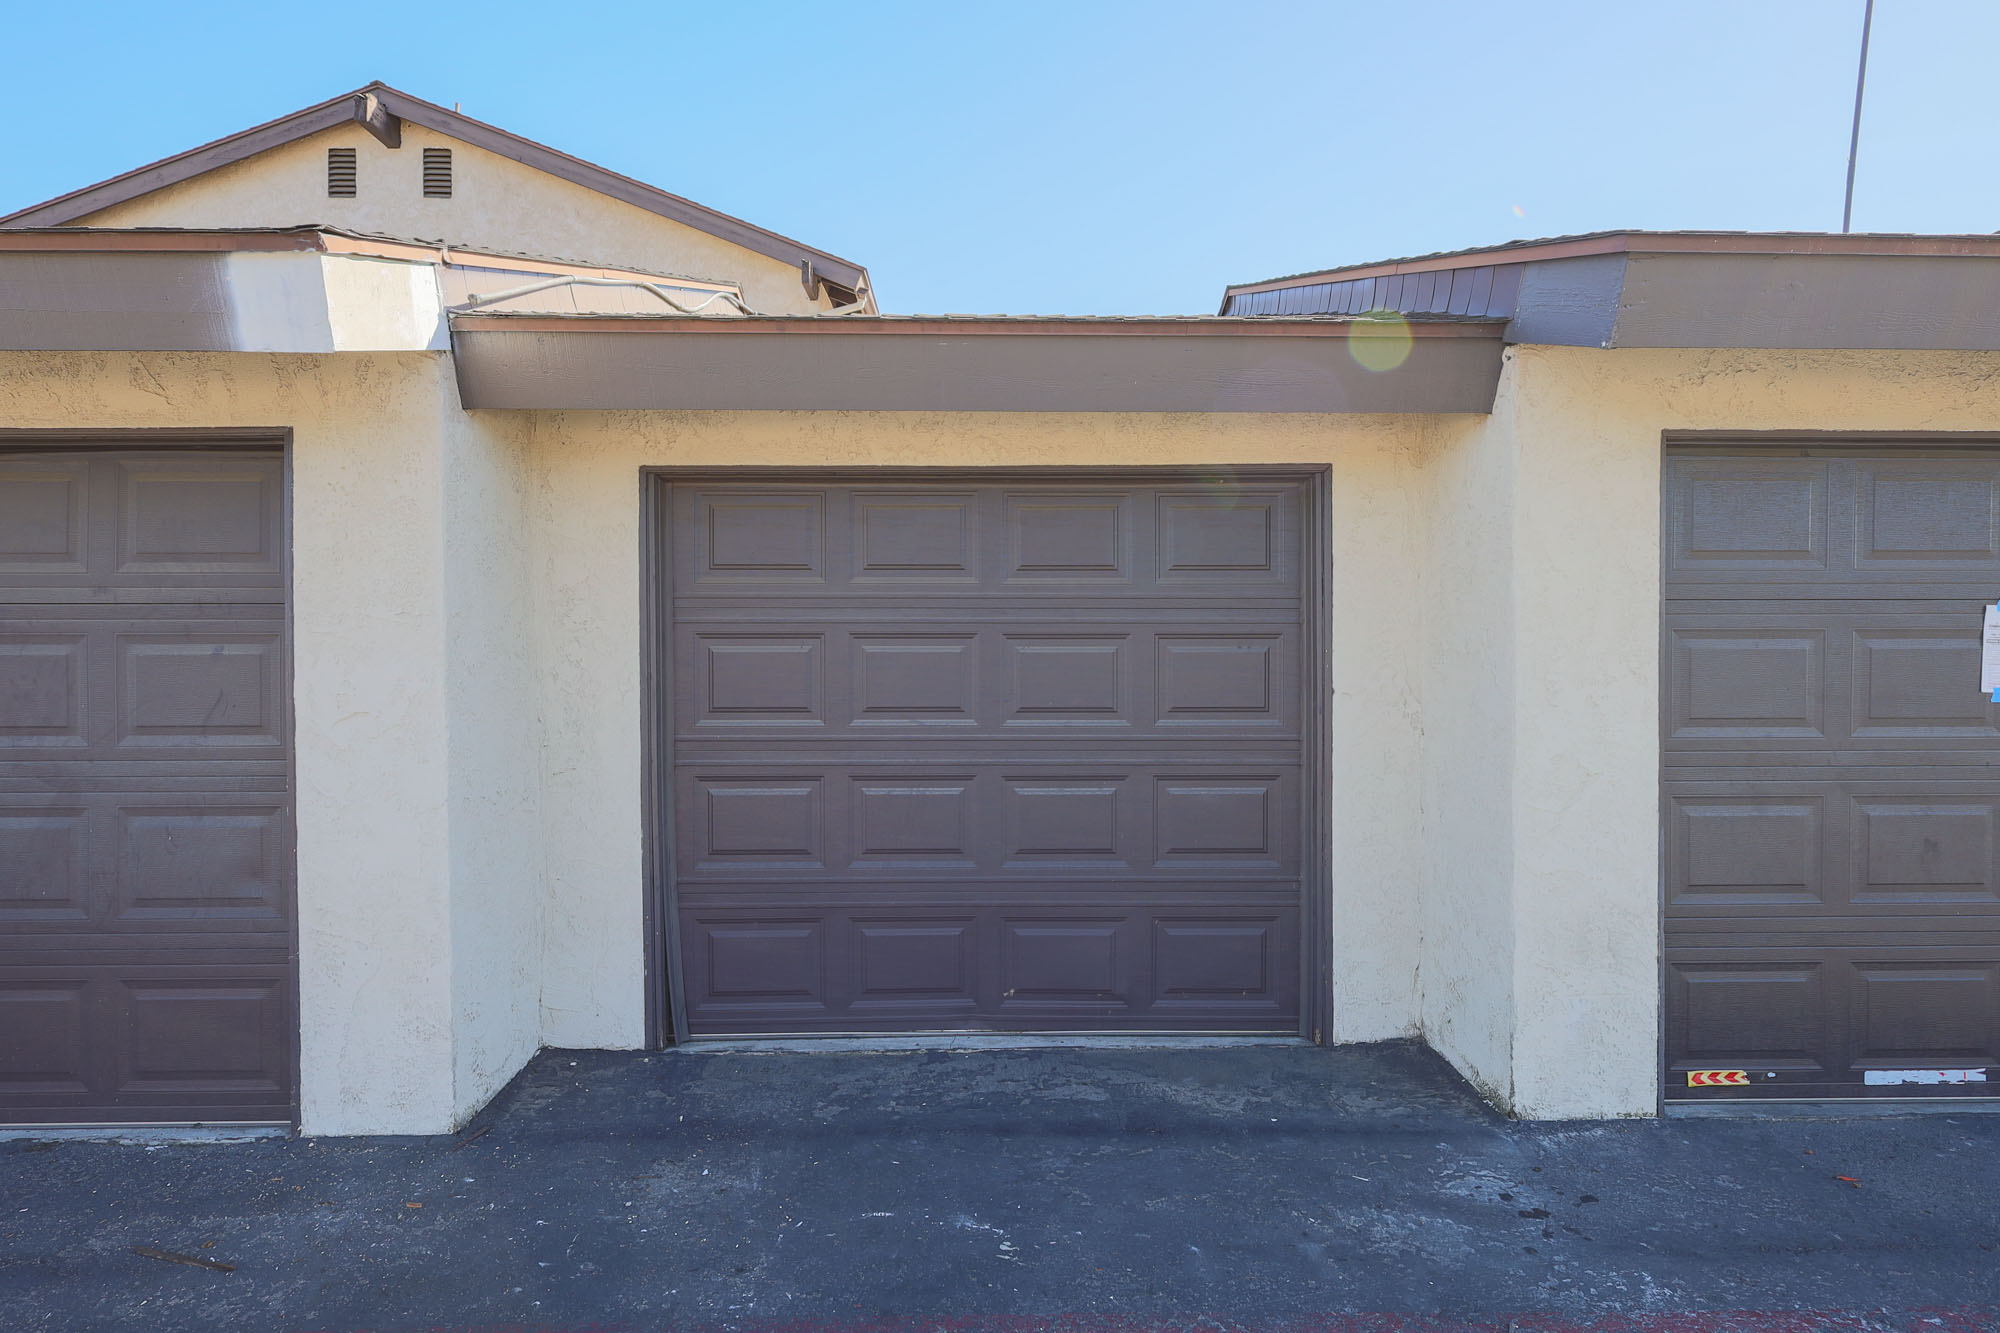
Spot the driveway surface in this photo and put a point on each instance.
(1023, 1191)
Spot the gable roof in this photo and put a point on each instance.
(382, 109)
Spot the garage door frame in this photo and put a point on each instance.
(222, 439)
(1753, 440)
(666, 1021)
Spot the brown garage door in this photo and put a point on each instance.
(954, 756)
(145, 815)
(1832, 801)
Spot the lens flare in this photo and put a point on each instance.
(1519, 211)
(1379, 340)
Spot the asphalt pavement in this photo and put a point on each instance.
(1268, 1188)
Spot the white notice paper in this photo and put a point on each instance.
(1989, 652)
(1878, 1078)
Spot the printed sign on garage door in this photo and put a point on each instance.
(1831, 795)
(1006, 756)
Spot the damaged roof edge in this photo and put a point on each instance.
(359, 105)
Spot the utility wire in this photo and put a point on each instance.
(1854, 141)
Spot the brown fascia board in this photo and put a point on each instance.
(143, 240)
(902, 364)
(367, 106)
(166, 240)
(1978, 246)
(1096, 326)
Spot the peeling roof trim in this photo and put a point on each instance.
(355, 107)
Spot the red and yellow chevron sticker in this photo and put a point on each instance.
(1718, 1078)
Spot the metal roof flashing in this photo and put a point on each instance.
(1682, 289)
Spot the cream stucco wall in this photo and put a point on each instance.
(466, 684)
(496, 202)
(418, 860)
(494, 737)
(1541, 953)
(586, 504)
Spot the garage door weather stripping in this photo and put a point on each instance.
(1989, 655)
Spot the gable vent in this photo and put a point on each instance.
(437, 173)
(340, 173)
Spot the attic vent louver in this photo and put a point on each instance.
(437, 173)
(340, 173)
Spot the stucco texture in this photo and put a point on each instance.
(467, 687)
(418, 903)
(1542, 949)
(495, 202)
(586, 515)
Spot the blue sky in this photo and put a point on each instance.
(1099, 156)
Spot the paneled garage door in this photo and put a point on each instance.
(145, 814)
(1832, 772)
(961, 755)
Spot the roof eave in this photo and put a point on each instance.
(875, 364)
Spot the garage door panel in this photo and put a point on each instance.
(201, 861)
(162, 864)
(199, 517)
(1919, 524)
(146, 862)
(878, 966)
(1852, 683)
(1035, 542)
(97, 683)
(1833, 855)
(1750, 852)
(1926, 1013)
(1003, 820)
(1917, 851)
(143, 1041)
(88, 527)
(904, 535)
(1017, 755)
(1239, 536)
(1739, 682)
(741, 540)
(1747, 518)
(915, 678)
(1219, 679)
(1237, 963)
(1832, 827)
(209, 688)
(202, 1036)
(1920, 682)
(1928, 516)
(1769, 1014)
(44, 1036)
(1082, 540)
(42, 516)
(42, 694)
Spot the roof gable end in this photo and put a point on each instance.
(382, 110)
